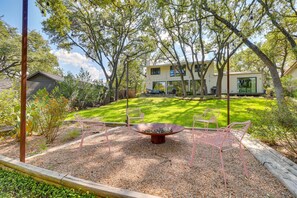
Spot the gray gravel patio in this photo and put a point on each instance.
(136, 164)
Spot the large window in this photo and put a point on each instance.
(198, 67)
(177, 85)
(174, 71)
(198, 85)
(247, 85)
(155, 71)
(161, 85)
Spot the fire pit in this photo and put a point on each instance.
(157, 131)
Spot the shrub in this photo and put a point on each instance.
(290, 86)
(10, 110)
(9, 105)
(70, 135)
(276, 125)
(51, 112)
(14, 184)
(81, 91)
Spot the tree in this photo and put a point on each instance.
(39, 55)
(81, 91)
(165, 27)
(223, 41)
(238, 21)
(103, 31)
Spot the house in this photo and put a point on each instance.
(40, 80)
(292, 71)
(165, 77)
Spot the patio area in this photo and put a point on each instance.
(134, 163)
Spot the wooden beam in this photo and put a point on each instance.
(24, 81)
(66, 180)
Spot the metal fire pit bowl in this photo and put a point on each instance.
(157, 131)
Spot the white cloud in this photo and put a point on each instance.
(77, 60)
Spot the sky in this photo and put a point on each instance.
(11, 13)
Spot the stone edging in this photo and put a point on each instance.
(59, 179)
(281, 167)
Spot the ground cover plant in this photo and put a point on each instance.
(14, 184)
(178, 111)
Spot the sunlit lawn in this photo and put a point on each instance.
(177, 111)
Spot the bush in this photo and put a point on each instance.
(14, 184)
(51, 111)
(10, 110)
(276, 125)
(290, 86)
(81, 91)
(9, 105)
(71, 135)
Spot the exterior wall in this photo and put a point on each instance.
(39, 82)
(165, 76)
(233, 82)
(210, 79)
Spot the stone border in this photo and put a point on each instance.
(59, 179)
(281, 167)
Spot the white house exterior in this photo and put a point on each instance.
(164, 77)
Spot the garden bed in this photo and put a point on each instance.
(35, 144)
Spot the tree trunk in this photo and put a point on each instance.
(183, 85)
(193, 84)
(201, 86)
(219, 82)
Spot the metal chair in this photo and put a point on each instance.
(84, 123)
(209, 116)
(134, 114)
(223, 141)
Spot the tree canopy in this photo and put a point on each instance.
(39, 55)
(111, 32)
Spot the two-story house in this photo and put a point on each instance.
(165, 77)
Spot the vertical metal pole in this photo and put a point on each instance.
(127, 89)
(24, 81)
(228, 86)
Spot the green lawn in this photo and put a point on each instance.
(177, 111)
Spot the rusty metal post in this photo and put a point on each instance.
(24, 81)
(228, 86)
(127, 90)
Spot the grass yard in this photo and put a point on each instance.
(177, 111)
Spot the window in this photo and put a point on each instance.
(177, 85)
(155, 71)
(247, 85)
(199, 66)
(198, 85)
(174, 71)
(159, 86)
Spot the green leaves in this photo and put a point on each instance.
(39, 56)
(14, 184)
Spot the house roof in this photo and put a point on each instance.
(52, 76)
(169, 64)
(288, 71)
(240, 73)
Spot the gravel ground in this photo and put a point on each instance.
(136, 164)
